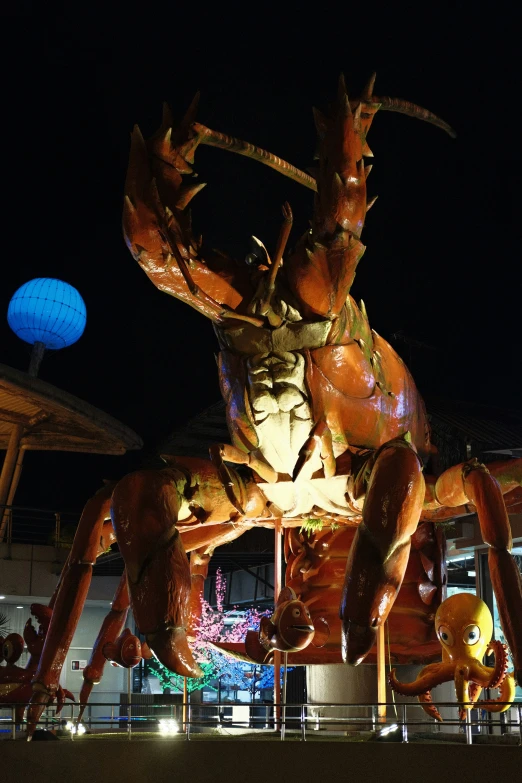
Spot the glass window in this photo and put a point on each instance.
(492, 603)
(461, 574)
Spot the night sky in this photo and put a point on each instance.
(442, 265)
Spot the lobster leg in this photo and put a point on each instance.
(145, 509)
(472, 482)
(199, 562)
(68, 604)
(111, 628)
(381, 547)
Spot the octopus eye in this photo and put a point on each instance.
(445, 635)
(296, 612)
(472, 634)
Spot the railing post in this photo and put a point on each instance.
(404, 724)
(129, 708)
(303, 723)
(13, 727)
(469, 736)
(519, 710)
(189, 719)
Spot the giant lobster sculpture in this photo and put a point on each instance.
(325, 422)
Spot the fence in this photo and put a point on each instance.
(274, 721)
(25, 525)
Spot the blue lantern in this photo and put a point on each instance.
(47, 311)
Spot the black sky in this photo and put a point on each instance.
(442, 260)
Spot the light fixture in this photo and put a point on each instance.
(19, 607)
(168, 727)
(75, 729)
(2, 597)
(388, 730)
(47, 311)
(472, 573)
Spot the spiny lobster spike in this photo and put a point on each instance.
(187, 193)
(366, 151)
(190, 114)
(367, 93)
(167, 119)
(320, 122)
(357, 117)
(371, 203)
(139, 168)
(343, 102)
(367, 170)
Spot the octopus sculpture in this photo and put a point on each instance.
(464, 627)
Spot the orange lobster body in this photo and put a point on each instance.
(324, 419)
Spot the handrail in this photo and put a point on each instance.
(38, 526)
(271, 722)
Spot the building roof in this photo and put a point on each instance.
(55, 420)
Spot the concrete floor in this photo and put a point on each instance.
(161, 761)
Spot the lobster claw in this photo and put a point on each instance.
(61, 695)
(170, 646)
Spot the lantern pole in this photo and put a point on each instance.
(37, 355)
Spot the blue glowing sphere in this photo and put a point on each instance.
(48, 311)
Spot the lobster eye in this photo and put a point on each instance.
(445, 635)
(471, 634)
(296, 612)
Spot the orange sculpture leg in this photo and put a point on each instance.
(68, 603)
(145, 510)
(472, 482)
(111, 628)
(379, 554)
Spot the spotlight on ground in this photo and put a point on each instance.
(75, 729)
(390, 733)
(168, 727)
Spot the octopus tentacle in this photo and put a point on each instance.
(428, 706)
(501, 663)
(474, 691)
(506, 696)
(428, 678)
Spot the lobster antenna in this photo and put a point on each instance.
(412, 110)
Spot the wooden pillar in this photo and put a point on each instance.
(381, 673)
(12, 466)
(277, 589)
(8, 469)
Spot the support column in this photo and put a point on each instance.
(277, 590)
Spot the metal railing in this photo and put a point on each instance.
(276, 721)
(41, 527)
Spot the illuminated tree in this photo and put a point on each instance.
(216, 625)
